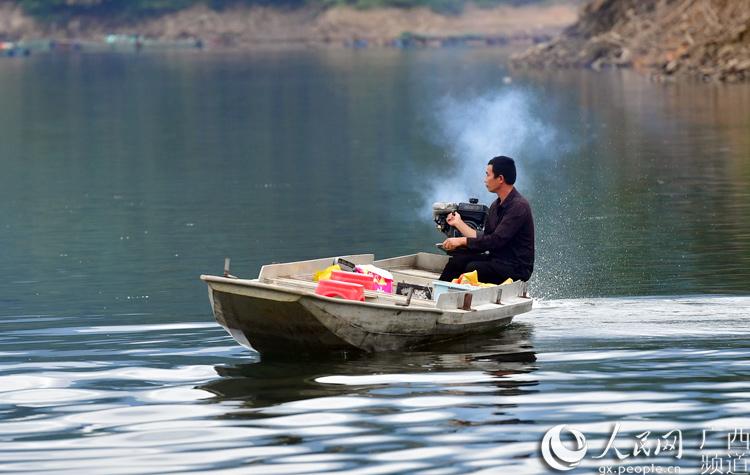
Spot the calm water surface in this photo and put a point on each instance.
(125, 177)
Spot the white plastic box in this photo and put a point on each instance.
(440, 287)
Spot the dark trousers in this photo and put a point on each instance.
(489, 271)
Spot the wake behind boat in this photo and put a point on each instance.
(280, 312)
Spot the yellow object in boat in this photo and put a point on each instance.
(325, 274)
(472, 278)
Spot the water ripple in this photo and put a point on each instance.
(470, 407)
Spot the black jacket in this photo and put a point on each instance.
(508, 234)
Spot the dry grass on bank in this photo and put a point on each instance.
(247, 26)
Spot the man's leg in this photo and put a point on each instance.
(457, 265)
(491, 271)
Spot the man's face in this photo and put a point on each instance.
(492, 183)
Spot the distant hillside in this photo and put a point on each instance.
(224, 23)
(63, 9)
(707, 39)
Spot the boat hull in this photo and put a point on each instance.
(273, 320)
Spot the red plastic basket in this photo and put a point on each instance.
(344, 290)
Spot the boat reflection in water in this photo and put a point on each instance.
(394, 412)
(481, 359)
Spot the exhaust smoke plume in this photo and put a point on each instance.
(475, 129)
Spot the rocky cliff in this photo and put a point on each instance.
(707, 39)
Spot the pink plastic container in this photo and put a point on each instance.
(365, 280)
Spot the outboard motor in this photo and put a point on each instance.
(472, 213)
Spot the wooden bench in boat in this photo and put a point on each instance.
(420, 269)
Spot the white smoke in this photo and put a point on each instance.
(475, 129)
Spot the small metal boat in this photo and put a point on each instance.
(279, 312)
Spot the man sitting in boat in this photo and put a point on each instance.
(505, 249)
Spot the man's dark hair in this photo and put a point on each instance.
(504, 166)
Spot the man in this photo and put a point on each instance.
(506, 247)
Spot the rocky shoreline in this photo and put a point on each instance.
(247, 27)
(667, 39)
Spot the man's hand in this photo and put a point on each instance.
(453, 243)
(454, 219)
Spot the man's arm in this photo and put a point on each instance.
(453, 243)
(454, 219)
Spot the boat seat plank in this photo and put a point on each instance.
(400, 274)
(370, 295)
(411, 279)
(308, 267)
(431, 262)
(478, 297)
(421, 273)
